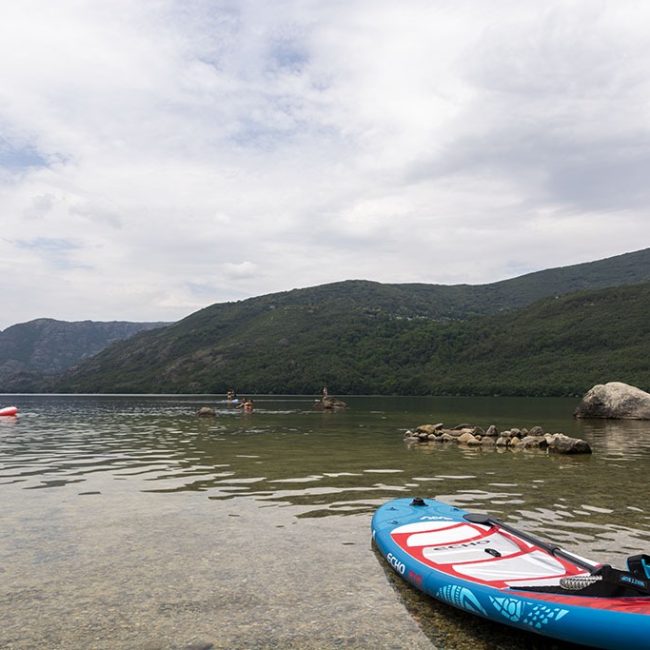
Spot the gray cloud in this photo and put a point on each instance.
(209, 150)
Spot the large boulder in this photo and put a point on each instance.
(614, 400)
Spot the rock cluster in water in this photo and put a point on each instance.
(466, 434)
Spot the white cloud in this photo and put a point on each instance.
(241, 270)
(194, 152)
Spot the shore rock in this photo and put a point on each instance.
(429, 428)
(468, 438)
(562, 444)
(614, 400)
(515, 438)
(529, 442)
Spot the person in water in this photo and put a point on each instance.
(231, 395)
(325, 393)
(246, 405)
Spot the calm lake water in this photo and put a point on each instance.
(128, 522)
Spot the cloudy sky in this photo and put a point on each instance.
(159, 156)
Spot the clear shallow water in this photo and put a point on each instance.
(128, 522)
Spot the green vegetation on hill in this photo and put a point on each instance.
(41, 347)
(360, 337)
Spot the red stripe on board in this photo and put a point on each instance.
(417, 553)
(400, 538)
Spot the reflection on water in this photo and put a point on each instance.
(128, 482)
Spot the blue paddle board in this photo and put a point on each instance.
(490, 569)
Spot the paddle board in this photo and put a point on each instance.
(490, 569)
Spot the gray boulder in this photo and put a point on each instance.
(468, 438)
(614, 400)
(429, 428)
(529, 442)
(561, 444)
(492, 432)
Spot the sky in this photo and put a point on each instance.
(160, 156)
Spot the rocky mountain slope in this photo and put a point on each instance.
(44, 347)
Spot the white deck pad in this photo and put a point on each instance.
(471, 550)
(540, 582)
(535, 564)
(447, 536)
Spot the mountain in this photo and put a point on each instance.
(557, 346)
(42, 347)
(366, 337)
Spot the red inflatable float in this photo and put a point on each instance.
(9, 410)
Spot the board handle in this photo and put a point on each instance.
(639, 565)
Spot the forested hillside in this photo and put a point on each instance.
(557, 346)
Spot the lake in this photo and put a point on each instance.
(128, 522)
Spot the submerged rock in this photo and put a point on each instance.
(614, 400)
(206, 411)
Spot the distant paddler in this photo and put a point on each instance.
(328, 403)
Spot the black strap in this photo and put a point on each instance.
(624, 579)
